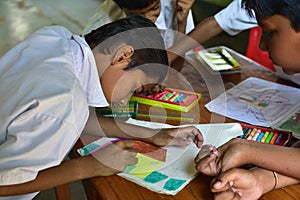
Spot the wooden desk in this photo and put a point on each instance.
(115, 187)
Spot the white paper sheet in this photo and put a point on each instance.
(179, 168)
(257, 102)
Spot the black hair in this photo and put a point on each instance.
(134, 4)
(139, 32)
(267, 8)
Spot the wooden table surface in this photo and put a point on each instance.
(192, 77)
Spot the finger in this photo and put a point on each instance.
(220, 186)
(132, 160)
(212, 165)
(198, 140)
(207, 162)
(219, 164)
(228, 177)
(205, 149)
(228, 195)
(126, 144)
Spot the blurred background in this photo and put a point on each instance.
(19, 18)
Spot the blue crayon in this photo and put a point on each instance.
(260, 136)
(179, 98)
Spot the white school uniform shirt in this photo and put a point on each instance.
(233, 19)
(295, 78)
(167, 20)
(47, 83)
(109, 11)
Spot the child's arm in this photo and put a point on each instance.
(107, 127)
(250, 184)
(239, 152)
(107, 161)
(203, 32)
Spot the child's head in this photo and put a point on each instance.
(136, 55)
(280, 21)
(146, 8)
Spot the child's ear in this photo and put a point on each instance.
(123, 54)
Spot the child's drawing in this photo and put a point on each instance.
(257, 102)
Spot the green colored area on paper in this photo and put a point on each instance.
(155, 177)
(173, 184)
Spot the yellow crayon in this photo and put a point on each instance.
(265, 136)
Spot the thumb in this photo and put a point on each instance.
(224, 181)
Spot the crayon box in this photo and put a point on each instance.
(170, 99)
(218, 61)
(266, 135)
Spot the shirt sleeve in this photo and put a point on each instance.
(44, 109)
(41, 136)
(190, 25)
(233, 19)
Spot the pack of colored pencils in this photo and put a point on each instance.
(130, 110)
(170, 99)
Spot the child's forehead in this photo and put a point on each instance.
(273, 21)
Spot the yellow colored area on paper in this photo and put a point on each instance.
(144, 167)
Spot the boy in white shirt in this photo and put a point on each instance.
(53, 80)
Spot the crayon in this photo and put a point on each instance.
(252, 134)
(167, 96)
(179, 98)
(172, 99)
(260, 136)
(163, 95)
(278, 140)
(245, 130)
(274, 138)
(269, 137)
(157, 96)
(248, 132)
(263, 139)
(256, 135)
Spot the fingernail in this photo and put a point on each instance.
(187, 142)
(218, 183)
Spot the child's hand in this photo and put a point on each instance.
(150, 89)
(183, 8)
(236, 184)
(114, 158)
(235, 153)
(206, 160)
(178, 137)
